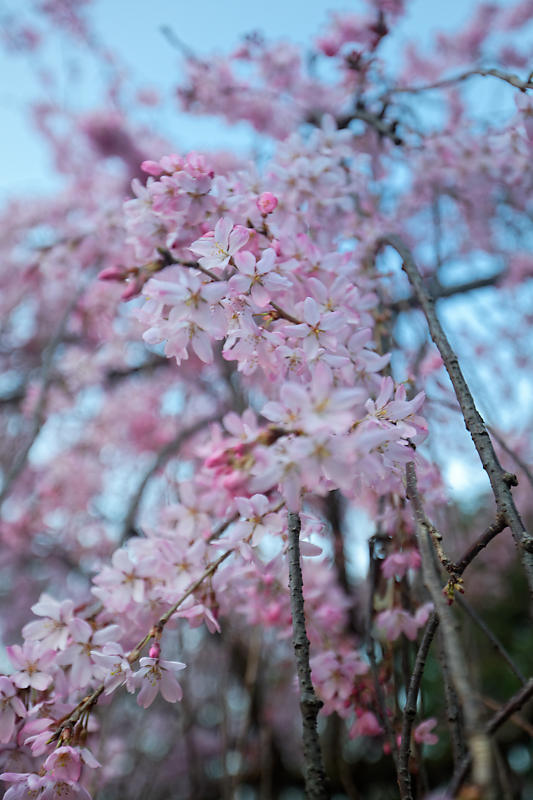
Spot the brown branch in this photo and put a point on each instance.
(38, 417)
(453, 650)
(382, 127)
(166, 452)
(85, 705)
(315, 777)
(517, 720)
(440, 292)
(409, 712)
(490, 533)
(453, 710)
(498, 646)
(514, 704)
(507, 77)
(369, 646)
(499, 479)
(511, 453)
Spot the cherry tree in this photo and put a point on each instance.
(234, 392)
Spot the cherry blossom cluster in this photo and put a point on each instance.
(259, 369)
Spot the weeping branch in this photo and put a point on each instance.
(500, 480)
(516, 702)
(38, 417)
(315, 776)
(404, 778)
(166, 452)
(455, 657)
(506, 77)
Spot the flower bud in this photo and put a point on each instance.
(266, 202)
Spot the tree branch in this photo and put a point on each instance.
(453, 709)
(315, 776)
(166, 452)
(439, 292)
(499, 479)
(507, 77)
(498, 646)
(378, 689)
(514, 704)
(453, 650)
(38, 417)
(490, 533)
(409, 712)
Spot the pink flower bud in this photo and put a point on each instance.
(152, 168)
(111, 274)
(155, 650)
(133, 288)
(329, 46)
(266, 202)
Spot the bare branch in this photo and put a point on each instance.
(453, 709)
(489, 534)
(315, 776)
(440, 292)
(381, 705)
(38, 417)
(477, 738)
(166, 452)
(498, 646)
(409, 713)
(514, 704)
(507, 77)
(511, 453)
(499, 479)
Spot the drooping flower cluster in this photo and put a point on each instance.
(277, 378)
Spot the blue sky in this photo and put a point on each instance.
(132, 29)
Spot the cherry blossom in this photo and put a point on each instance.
(216, 249)
(34, 663)
(158, 675)
(11, 706)
(271, 358)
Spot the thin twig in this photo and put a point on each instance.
(512, 454)
(382, 127)
(500, 480)
(507, 77)
(499, 438)
(487, 536)
(38, 417)
(315, 777)
(514, 704)
(516, 719)
(440, 292)
(453, 709)
(478, 741)
(498, 646)
(166, 452)
(409, 712)
(88, 702)
(378, 689)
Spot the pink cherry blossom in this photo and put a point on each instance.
(11, 706)
(266, 203)
(397, 564)
(216, 249)
(423, 733)
(35, 665)
(158, 675)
